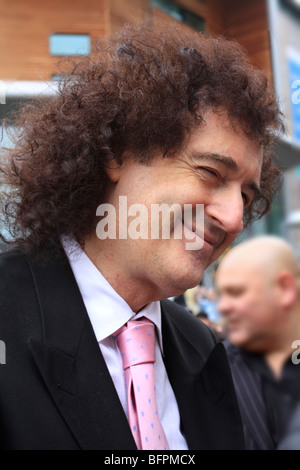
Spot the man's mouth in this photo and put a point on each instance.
(198, 230)
(193, 232)
(213, 241)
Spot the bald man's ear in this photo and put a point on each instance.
(287, 286)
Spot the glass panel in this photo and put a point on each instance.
(180, 14)
(69, 44)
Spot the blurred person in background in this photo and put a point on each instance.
(214, 327)
(291, 438)
(157, 116)
(207, 302)
(259, 288)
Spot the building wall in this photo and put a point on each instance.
(247, 22)
(26, 26)
(126, 11)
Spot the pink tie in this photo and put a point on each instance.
(136, 341)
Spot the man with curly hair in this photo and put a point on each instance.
(156, 117)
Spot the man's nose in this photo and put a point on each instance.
(228, 211)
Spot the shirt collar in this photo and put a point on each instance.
(107, 310)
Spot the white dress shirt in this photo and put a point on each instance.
(108, 312)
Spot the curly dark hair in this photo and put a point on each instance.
(141, 93)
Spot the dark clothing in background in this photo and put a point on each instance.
(267, 404)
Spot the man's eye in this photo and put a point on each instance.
(236, 291)
(209, 171)
(246, 200)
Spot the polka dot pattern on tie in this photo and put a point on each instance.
(136, 342)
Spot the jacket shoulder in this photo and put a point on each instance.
(19, 306)
(13, 267)
(184, 321)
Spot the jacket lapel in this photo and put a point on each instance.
(71, 364)
(202, 385)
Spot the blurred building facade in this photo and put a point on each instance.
(34, 35)
(27, 28)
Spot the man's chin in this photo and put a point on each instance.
(185, 281)
(241, 342)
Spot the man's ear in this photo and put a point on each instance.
(114, 170)
(288, 289)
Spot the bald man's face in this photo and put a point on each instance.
(248, 304)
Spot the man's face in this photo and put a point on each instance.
(248, 303)
(219, 168)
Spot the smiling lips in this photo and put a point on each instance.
(206, 229)
(201, 241)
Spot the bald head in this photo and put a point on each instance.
(266, 254)
(259, 286)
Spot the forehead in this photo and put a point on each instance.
(218, 136)
(230, 275)
(234, 274)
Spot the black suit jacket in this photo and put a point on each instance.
(55, 389)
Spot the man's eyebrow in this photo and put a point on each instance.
(227, 161)
(255, 188)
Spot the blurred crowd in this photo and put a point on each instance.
(203, 303)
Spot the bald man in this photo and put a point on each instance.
(259, 288)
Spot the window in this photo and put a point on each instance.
(292, 6)
(180, 14)
(69, 44)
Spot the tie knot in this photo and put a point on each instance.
(136, 341)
